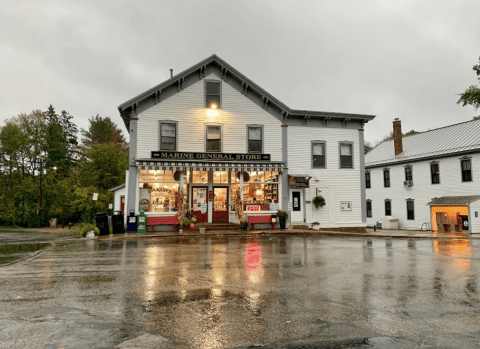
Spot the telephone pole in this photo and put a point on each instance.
(41, 191)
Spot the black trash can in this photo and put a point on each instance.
(101, 221)
(118, 223)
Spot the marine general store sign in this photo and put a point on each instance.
(168, 155)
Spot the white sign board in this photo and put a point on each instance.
(274, 206)
(346, 205)
(95, 196)
(204, 208)
(290, 206)
(110, 206)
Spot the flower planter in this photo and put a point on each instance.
(202, 230)
(283, 222)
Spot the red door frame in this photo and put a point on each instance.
(220, 216)
(201, 218)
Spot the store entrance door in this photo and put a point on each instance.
(297, 206)
(220, 205)
(199, 197)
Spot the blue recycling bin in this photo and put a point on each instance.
(132, 222)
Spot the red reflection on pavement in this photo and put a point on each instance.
(253, 258)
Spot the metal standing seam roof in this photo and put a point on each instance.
(454, 200)
(449, 140)
(121, 186)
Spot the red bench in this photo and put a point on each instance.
(261, 219)
(167, 220)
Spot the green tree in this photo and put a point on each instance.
(103, 130)
(471, 96)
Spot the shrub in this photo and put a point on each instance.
(282, 214)
(318, 201)
(84, 228)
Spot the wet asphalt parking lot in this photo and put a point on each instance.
(239, 292)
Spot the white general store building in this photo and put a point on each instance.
(213, 131)
(427, 180)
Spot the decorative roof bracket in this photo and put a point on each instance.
(285, 116)
(325, 120)
(157, 96)
(345, 122)
(245, 87)
(224, 73)
(305, 118)
(265, 102)
(202, 72)
(180, 84)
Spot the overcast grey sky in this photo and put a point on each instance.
(399, 58)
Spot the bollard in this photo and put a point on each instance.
(374, 228)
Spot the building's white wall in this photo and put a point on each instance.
(475, 221)
(335, 183)
(188, 108)
(116, 199)
(422, 190)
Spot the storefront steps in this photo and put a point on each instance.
(300, 226)
(217, 226)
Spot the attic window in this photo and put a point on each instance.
(212, 94)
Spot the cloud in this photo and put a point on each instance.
(405, 59)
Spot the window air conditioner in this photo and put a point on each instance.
(408, 183)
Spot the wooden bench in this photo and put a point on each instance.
(168, 220)
(261, 219)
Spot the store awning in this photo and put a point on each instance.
(210, 166)
(454, 200)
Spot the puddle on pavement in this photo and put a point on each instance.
(12, 252)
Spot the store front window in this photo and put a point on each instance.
(260, 190)
(158, 190)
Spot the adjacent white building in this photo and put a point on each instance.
(213, 131)
(430, 179)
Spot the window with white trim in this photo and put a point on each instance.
(346, 155)
(318, 154)
(255, 139)
(212, 94)
(168, 136)
(466, 170)
(214, 138)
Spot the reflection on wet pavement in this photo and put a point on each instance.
(235, 292)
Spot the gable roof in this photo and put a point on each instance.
(154, 95)
(457, 139)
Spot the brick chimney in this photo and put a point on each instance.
(397, 136)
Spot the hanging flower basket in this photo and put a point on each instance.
(319, 201)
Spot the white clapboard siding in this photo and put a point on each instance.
(187, 107)
(422, 190)
(475, 221)
(336, 184)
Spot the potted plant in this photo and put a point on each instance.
(282, 218)
(319, 201)
(186, 223)
(315, 226)
(244, 225)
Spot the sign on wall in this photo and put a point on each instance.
(253, 208)
(346, 205)
(302, 183)
(172, 155)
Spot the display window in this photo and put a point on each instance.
(220, 177)
(200, 177)
(260, 190)
(159, 190)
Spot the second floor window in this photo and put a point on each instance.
(435, 173)
(408, 173)
(318, 155)
(367, 180)
(212, 94)
(466, 170)
(255, 136)
(168, 136)
(388, 208)
(346, 155)
(214, 138)
(386, 178)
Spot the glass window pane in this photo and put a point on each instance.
(254, 146)
(168, 130)
(255, 133)
(213, 100)
(317, 149)
(213, 145)
(168, 176)
(168, 143)
(346, 149)
(213, 88)
(213, 132)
